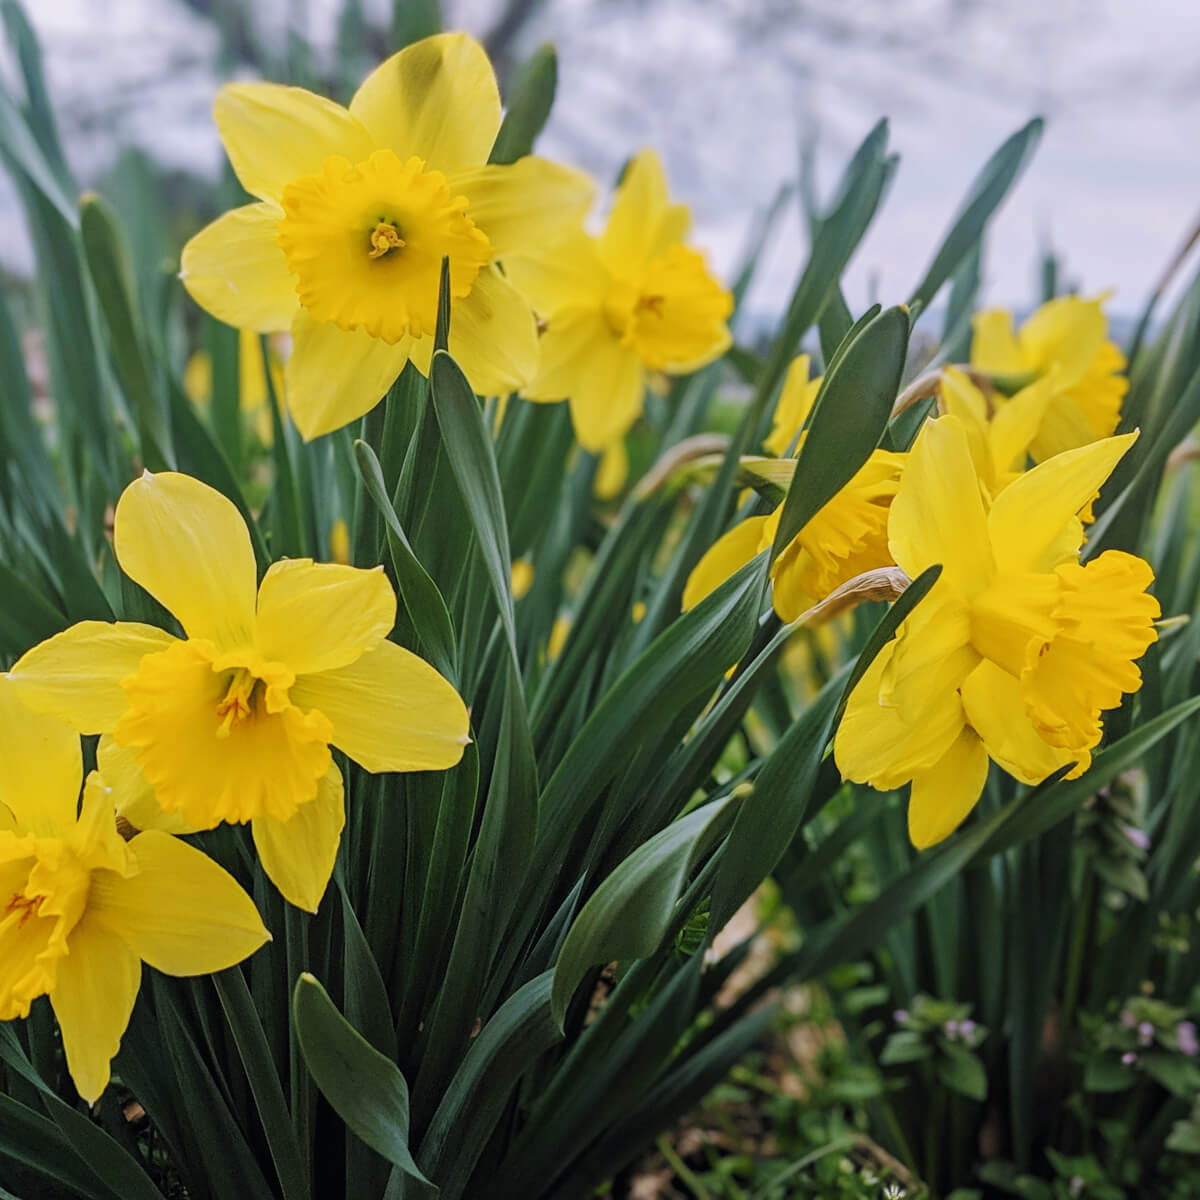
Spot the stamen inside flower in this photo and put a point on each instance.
(384, 239)
(218, 738)
(366, 240)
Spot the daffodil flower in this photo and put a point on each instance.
(1018, 648)
(1068, 337)
(846, 537)
(356, 210)
(81, 909)
(633, 301)
(234, 721)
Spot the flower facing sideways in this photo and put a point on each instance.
(1066, 337)
(1018, 648)
(632, 301)
(356, 210)
(81, 909)
(234, 721)
(846, 537)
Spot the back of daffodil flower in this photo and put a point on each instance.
(846, 538)
(356, 210)
(234, 721)
(1019, 647)
(81, 909)
(635, 299)
(1066, 342)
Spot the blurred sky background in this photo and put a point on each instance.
(728, 91)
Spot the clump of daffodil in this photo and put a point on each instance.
(253, 392)
(845, 538)
(357, 209)
(1018, 648)
(234, 721)
(81, 909)
(618, 307)
(1068, 338)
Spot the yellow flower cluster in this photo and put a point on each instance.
(357, 207)
(232, 722)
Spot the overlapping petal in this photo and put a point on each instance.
(188, 546)
(298, 854)
(318, 616)
(335, 376)
(178, 911)
(493, 336)
(234, 269)
(40, 768)
(437, 99)
(944, 793)
(275, 134)
(390, 711)
(76, 675)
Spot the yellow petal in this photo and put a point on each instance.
(1066, 332)
(493, 336)
(179, 911)
(943, 794)
(994, 347)
(94, 992)
(961, 399)
(732, 550)
(391, 711)
(298, 855)
(937, 515)
(234, 270)
(643, 223)
(130, 792)
(41, 766)
(795, 403)
(523, 205)
(436, 99)
(995, 709)
(334, 376)
(563, 274)
(76, 675)
(275, 134)
(317, 616)
(885, 746)
(1033, 525)
(188, 546)
(612, 471)
(1016, 424)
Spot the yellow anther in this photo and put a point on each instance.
(236, 705)
(384, 239)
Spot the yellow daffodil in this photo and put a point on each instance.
(356, 210)
(522, 575)
(234, 721)
(1017, 649)
(1069, 337)
(845, 538)
(81, 909)
(796, 398)
(253, 393)
(633, 301)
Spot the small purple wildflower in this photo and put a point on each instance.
(1138, 838)
(1145, 1032)
(1128, 1020)
(1185, 1035)
(1129, 1058)
(951, 1029)
(900, 1016)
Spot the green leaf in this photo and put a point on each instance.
(29, 1138)
(255, 1053)
(424, 603)
(528, 106)
(23, 154)
(512, 1040)
(111, 270)
(986, 194)
(849, 417)
(961, 1071)
(629, 913)
(366, 1090)
(1107, 1075)
(121, 1174)
(904, 1047)
(469, 449)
